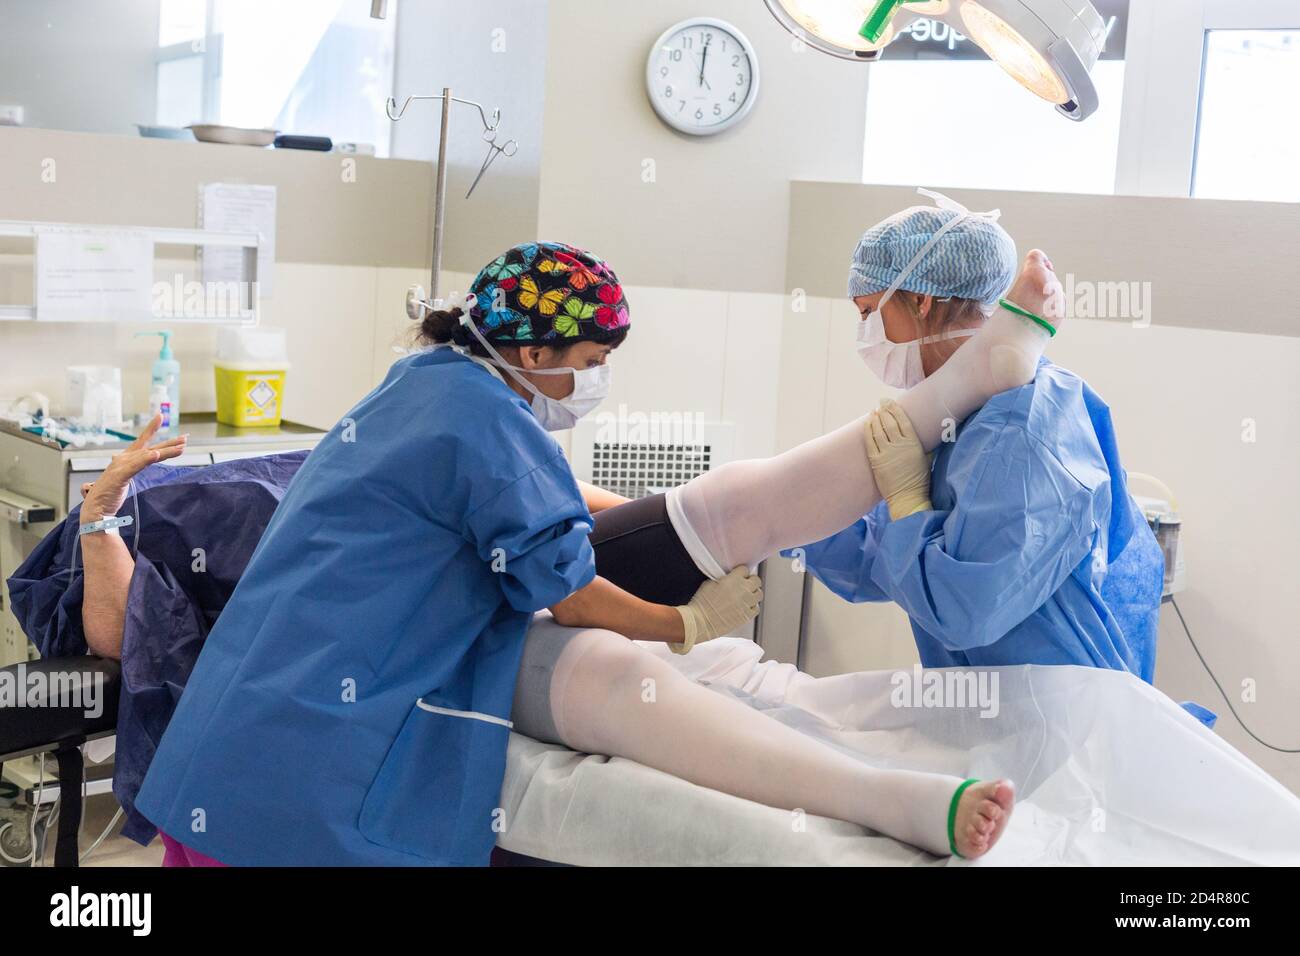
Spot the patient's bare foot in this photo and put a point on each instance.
(982, 815)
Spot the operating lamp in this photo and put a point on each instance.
(1047, 46)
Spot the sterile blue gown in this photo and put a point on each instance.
(1035, 552)
(351, 704)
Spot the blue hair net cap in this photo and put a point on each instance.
(975, 259)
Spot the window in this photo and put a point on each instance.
(1247, 142)
(920, 131)
(311, 67)
(185, 90)
(182, 21)
(180, 90)
(1206, 111)
(922, 128)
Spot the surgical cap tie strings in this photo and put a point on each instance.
(135, 537)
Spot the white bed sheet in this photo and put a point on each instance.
(1109, 771)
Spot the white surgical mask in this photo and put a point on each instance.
(898, 364)
(590, 386)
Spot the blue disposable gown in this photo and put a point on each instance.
(198, 528)
(1034, 552)
(351, 704)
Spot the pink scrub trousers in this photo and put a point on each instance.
(177, 854)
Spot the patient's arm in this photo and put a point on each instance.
(108, 567)
(107, 562)
(604, 604)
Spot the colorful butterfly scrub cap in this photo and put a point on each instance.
(547, 293)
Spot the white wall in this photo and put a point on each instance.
(715, 214)
(492, 52)
(341, 322)
(339, 240)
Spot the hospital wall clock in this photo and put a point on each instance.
(702, 76)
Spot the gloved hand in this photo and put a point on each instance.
(900, 464)
(719, 607)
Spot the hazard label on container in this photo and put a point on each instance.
(262, 394)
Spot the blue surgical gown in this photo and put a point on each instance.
(1034, 552)
(352, 702)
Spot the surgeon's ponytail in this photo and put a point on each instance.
(442, 326)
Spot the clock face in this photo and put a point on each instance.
(702, 76)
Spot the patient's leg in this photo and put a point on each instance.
(608, 696)
(745, 511)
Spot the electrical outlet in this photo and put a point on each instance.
(11, 116)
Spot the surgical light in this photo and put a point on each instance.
(834, 26)
(1048, 46)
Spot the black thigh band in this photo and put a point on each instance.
(637, 549)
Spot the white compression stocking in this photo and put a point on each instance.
(745, 511)
(1002, 355)
(599, 706)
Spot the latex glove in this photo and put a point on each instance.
(900, 464)
(719, 607)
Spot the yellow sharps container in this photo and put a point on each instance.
(250, 368)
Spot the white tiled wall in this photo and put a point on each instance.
(751, 362)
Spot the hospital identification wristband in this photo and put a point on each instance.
(1012, 307)
(108, 525)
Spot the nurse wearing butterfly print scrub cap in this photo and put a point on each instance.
(353, 701)
(550, 295)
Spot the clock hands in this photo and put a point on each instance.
(704, 58)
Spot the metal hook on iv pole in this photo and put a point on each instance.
(488, 125)
(440, 179)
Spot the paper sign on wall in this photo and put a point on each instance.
(233, 207)
(93, 275)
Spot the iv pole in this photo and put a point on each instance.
(440, 177)
(440, 194)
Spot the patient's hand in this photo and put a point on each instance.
(105, 495)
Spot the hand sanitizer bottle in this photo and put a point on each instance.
(166, 373)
